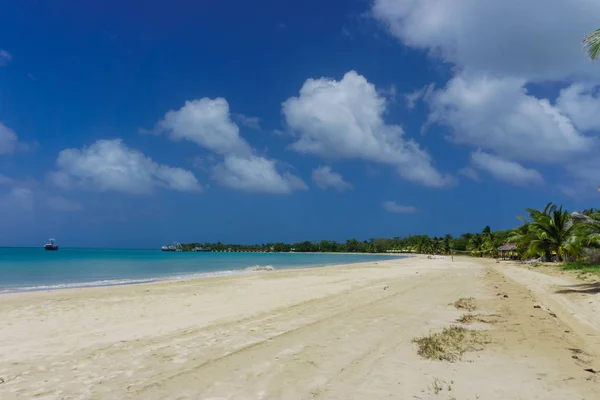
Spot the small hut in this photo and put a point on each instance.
(508, 249)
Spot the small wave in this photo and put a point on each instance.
(259, 268)
(114, 282)
(75, 285)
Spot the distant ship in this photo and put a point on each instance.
(50, 245)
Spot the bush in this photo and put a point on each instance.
(592, 256)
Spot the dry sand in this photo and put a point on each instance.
(328, 333)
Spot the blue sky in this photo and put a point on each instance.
(279, 120)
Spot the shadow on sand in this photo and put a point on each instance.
(584, 288)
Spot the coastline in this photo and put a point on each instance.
(334, 332)
(24, 288)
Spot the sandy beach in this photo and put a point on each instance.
(342, 332)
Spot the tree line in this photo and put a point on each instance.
(550, 233)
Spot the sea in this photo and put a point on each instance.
(30, 269)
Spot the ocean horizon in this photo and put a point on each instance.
(32, 269)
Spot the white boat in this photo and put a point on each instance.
(51, 245)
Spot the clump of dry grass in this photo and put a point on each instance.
(466, 303)
(450, 344)
(467, 318)
(486, 319)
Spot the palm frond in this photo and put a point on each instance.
(593, 239)
(592, 44)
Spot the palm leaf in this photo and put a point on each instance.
(592, 44)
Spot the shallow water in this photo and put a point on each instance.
(25, 269)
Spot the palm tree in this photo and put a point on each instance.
(590, 230)
(592, 44)
(447, 246)
(522, 236)
(475, 244)
(553, 230)
(487, 231)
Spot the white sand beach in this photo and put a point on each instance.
(326, 333)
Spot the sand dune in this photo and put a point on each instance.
(330, 333)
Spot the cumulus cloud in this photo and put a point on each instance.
(5, 57)
(208, 123)
(395, 208)
(536, 40)
(8, 139)
(582, 104)
(504, 170)
(109, 165)
(62, 204)
(255, 174)
(584, 177)
(499, 115)
(344, 119)
(497, 49)
(325, 178)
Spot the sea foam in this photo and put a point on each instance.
(260, 268)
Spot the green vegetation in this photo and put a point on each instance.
(582, 267)
(450, 344)
(422, 244)
(550, 234)
(555, 234)
(592, 44)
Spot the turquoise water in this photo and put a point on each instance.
(26, 269)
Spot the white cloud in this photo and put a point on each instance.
(255, 174)
(582, 104)
(205, 162)
(9, 142)
(60, 179)
(504, 170)
(8, 139)
(389, 93)
(250, 122)
(584, 177)
(470, 173)
(18, 197)
(535, 39)
(496, 49)
(208, 123)
(5, 57)
(395, 208)
(499, 115)
(61, 204)
(423, 93)
(325, 178)
(344, 119)
(110, 165)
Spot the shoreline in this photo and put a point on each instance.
(334, 332)
(179, 277)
